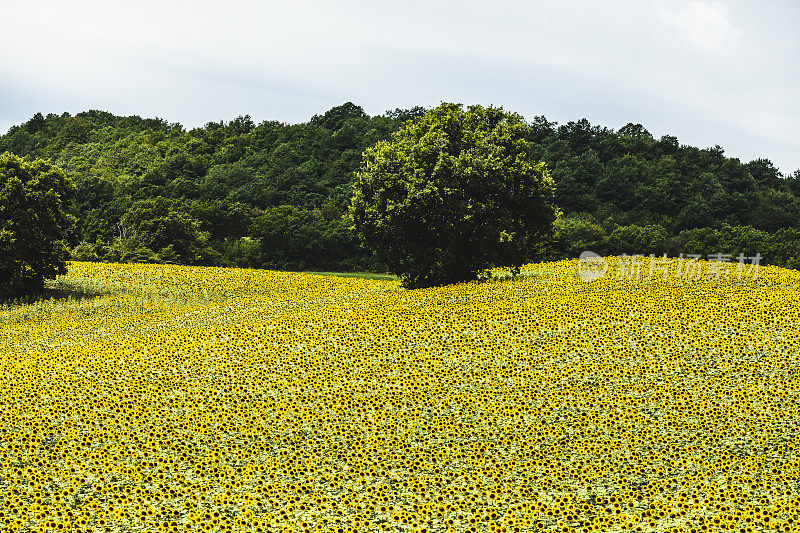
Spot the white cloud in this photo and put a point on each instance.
(707, 26)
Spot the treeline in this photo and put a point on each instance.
(628, 177)
(275, 195)
(271, 195)
(573, 235)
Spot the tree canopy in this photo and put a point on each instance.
(453, 193)
(226, 176)
(35, 228)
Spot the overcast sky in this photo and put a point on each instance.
(707, 71)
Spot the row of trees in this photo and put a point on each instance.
(573, 235)
(625, 176)
(279, 196)
(629, 177)
(220, 233)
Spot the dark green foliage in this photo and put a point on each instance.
(225, 175)
(338, 116)
(35, 228)
(305, 239)
(452, 194)
(639, 240)
(574, 235)
(221, 176)
(161, 225)
(629, 178)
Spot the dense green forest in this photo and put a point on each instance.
(275, 195)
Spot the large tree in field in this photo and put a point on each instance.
(453, 193)
(35, 229)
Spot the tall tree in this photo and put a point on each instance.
(35, 228)
(453, 193)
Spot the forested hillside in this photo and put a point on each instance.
(275, 195)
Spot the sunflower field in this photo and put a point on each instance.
(208, 399)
